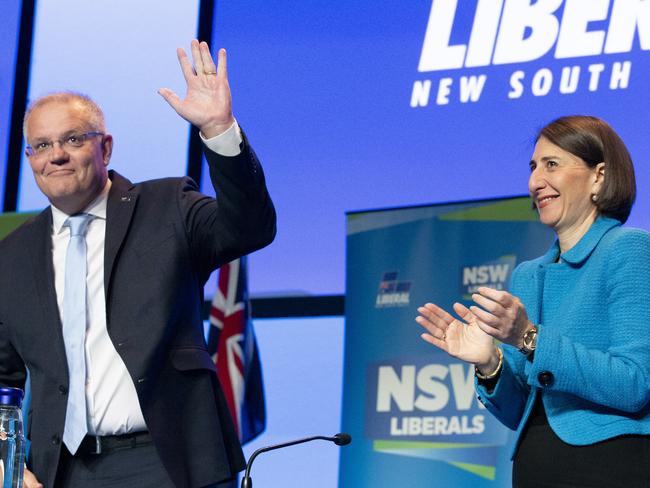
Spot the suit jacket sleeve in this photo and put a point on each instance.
(239, 221)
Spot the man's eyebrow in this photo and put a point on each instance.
(63, 134)
(72, 131)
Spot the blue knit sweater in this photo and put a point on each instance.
(592, 362)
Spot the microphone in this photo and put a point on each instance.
(340, 439)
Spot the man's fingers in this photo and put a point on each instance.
(196, 57)
(206, 59)
(186, 66)
(171, 98)
(222, 67)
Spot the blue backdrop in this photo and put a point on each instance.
(326, 90)
(9, 30)
(355, 104)
(411, 408)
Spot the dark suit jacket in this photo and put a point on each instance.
(163, 239)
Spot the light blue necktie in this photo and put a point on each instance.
(74, 330)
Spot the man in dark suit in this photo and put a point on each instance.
(154, 414)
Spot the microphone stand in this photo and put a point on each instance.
(341, 439)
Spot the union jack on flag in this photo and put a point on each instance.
(232, 344)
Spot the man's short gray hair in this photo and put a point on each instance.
(93, 111)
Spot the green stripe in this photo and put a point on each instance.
(516, 209)
(385, 445)
(487, 472)
(9, 221)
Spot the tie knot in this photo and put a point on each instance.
(78, 224)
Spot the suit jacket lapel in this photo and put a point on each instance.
(43, 272)
(119, 212)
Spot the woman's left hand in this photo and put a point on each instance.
(501, 315)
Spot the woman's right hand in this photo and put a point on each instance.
(462, 339)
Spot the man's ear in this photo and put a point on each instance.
(107, 148)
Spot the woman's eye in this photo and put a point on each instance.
(551, 164)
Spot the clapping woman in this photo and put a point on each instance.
(564, 357)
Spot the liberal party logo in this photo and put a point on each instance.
(428, 409)
(506, 32)
(493, 274)
(393, 293)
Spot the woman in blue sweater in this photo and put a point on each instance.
(572, 371)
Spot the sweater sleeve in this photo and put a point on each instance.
(507, 400)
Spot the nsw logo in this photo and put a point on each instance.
(494, 274)
(425, 407)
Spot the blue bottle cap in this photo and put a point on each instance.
(11, 396)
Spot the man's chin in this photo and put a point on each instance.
(66, 199)
(62, 193)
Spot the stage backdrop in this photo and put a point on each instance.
(8, 50)
(410, 408)
(355, 104)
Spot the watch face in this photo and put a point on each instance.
(530, 339)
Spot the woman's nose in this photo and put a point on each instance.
(536, 180)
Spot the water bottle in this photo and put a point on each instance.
(12, 442)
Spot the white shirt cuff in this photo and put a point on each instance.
(227, 143)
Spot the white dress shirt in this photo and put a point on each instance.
(111, 399)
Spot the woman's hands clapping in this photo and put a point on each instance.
(496, 315)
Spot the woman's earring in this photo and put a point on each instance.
(594, 198)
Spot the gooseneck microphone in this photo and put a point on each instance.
(340, 439)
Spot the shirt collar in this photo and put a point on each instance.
(96, 208)
(587, 242)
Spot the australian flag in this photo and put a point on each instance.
(232, 344)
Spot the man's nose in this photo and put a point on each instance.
(58, 154)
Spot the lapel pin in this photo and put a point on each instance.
(126, 199)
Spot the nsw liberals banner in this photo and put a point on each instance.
(410, 408)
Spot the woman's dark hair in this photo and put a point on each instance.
(594, 141)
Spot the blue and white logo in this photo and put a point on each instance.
(509, 32)
(424, 409)
(493, 274)
(392, 292)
